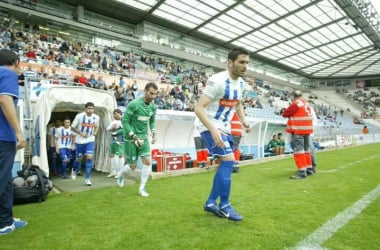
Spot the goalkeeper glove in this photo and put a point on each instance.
(137, 141)
(154, 138)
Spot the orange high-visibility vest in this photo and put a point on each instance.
(236, 126)
(301, 122)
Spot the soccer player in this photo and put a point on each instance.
(11, 138)
(215, 108)
(117, 145)
(51, 147)
(139, 117)
(85, 125)
(64, 140)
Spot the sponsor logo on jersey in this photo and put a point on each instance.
(227, 103)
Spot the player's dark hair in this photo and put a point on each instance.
(8, 57)
(234, 53)
(89, 104)
(118, 111)
(151, 85)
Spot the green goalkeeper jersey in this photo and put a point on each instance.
(138, 118)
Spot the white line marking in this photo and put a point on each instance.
(326, 231)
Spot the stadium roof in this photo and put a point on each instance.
(312, 38)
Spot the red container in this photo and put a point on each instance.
(170, 162)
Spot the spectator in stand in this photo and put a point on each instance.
(45, 79)
(83, 80)
(76, 81)
(92, 82)
(100, 83)
(365, 130)
(56, 80)
(30, 73)
(113, 86)
(120, 95)
(121, 82)
(104, 64)
(31, 54)
(129, 96)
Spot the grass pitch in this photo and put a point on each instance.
(279, 213)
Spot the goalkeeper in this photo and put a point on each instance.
(138, 119)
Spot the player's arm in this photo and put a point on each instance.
(152, 126)
(240, 112)
(74, 125)
(96, 130)
(56, 144)
(9, 111)
(126, 120)
(200, 111)
(73, 137)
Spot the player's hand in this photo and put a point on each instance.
(136, 140)
(21, 141)
(217, 137)
(154, 137)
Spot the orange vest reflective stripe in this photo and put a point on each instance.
(236, 126)
(301, 122)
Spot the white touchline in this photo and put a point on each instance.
(323, 233)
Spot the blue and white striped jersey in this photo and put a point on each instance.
(224, 93)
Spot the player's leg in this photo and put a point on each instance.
(120, 154)
(130, 156)
(298, 145)
(222, 179)
(89, 148)
(53, 161)
(146, 169)
(77, 165)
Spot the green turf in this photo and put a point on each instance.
(278, 212)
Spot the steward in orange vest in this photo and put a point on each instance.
(300, 126)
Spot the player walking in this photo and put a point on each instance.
(139, 117)
(215, 109)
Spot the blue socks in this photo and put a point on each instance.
(222, 184)
(88, 168)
